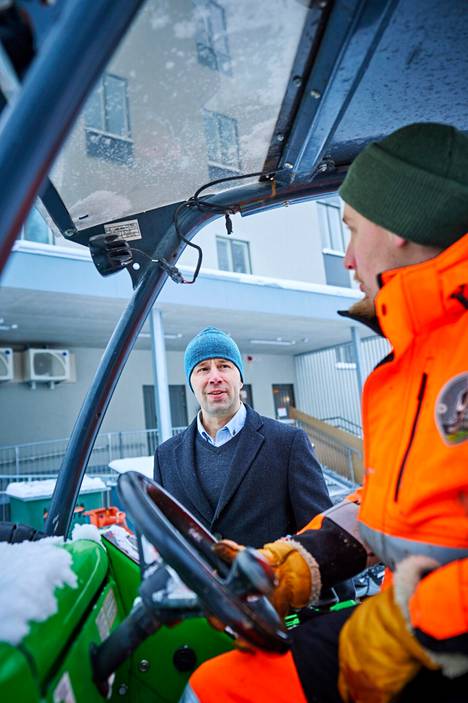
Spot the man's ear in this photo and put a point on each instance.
(398, 241)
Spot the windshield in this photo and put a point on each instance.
(192, 95)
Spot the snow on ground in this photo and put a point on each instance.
(28, 490)
(143, 464)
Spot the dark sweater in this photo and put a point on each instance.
(212, 465)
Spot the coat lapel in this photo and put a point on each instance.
(250, 441)
(184, 454)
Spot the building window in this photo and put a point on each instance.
(332, 231)
(222, 140)
(36, 229)
(107, 121)
(344, 357)
(211, 36)
(233, 255)
(283, 399)
(334, 238)
(246, 394)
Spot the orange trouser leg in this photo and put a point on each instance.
(239, 677)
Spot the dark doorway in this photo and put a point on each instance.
(246, 394)
(283, 398)
(178, 403)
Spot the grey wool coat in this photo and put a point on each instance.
(275, 485)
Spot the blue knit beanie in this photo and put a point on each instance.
(211, 343)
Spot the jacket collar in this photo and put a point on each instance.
(414, 299)
(371, 323)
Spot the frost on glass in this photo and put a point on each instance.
(192, 95)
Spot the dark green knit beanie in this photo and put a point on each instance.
(414, 183)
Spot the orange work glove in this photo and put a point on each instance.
(297, 574)
(378, 655)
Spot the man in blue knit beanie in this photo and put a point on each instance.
(230, 455)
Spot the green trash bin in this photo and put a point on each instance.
(30, 500)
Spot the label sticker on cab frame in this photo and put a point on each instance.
(130, 229)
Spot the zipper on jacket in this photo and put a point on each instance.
(422, 390)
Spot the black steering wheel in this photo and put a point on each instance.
(187, 546)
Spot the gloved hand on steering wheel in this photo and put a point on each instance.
(297, 574)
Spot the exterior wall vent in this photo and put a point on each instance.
(47, 366)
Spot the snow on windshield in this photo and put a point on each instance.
(192, 94)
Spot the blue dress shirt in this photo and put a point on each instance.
(223, 435)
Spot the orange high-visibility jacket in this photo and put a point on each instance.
(415, 418)
(415, 421)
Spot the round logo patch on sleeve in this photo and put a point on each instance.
(451, 412)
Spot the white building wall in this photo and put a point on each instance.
(262, 372)
(328, 388)
(325, 390)
(284, 243)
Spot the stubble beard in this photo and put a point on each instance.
(220, 409)
(364, 308)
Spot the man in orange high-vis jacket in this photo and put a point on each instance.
(406, 205)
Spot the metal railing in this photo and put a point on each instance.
(334, 455)
(45, 457)
(344, 424)
(42, 460)
(337, 450)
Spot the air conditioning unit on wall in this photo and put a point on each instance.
(6, 364)
(47, 366)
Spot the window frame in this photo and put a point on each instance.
(205, 38)
(327, 246)
(212, 121)
(101, 142)
(36, 214)
(344, 356)
(230, 241)
(101, 92)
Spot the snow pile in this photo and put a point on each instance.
(120, 536)
(90, 532)
(27, 490)
(30, 574)
(143, 464)
(31, 571)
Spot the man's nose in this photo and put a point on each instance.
(348, 261)
(214, 376)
